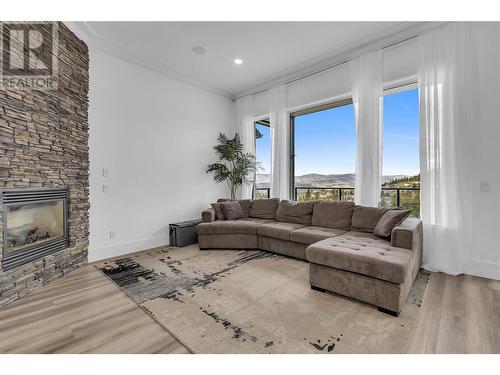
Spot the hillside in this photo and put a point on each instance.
(330, 180)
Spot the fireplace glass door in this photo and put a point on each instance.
(33, 224)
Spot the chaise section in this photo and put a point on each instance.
(368, 268)
(363, 255)
(311, 235)
(381, 293)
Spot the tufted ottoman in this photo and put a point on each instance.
(365, 267)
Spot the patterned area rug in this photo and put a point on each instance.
(229, 301)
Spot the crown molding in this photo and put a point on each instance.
(86, 33)
(390, 36)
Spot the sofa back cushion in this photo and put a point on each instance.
(388, 221)
(232, 210)
(330, 214)
(219, 214)
(264, 208)
(293, 212)
(364, 219)
(245, 204)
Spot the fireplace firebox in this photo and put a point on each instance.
(35, 224)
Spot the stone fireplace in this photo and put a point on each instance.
(35, 224)
(44, 163)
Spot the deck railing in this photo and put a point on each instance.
(406, 197)
(262, 193)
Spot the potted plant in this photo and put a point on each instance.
(234, 166)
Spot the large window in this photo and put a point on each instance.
(263, 155)
(401, 163)
(324, 152)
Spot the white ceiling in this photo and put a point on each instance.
(269, 49)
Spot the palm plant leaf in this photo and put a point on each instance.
(220, 171)
(234, 166)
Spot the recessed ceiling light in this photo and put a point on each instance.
(238, 61)
(199, 50)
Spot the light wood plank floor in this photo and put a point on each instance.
(460, 314)
(84, 312)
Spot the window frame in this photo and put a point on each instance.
(396, 89)
(263, 121)
(302, 112)
(388, 90)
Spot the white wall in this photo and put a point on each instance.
(483, 258)
(154, 136)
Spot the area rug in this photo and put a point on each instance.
(230, 301)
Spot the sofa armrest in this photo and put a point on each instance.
(208, 215)
(408, 235)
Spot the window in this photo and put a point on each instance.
(323, 152)
(263, 155)
(401, 162)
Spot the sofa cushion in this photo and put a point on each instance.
(330, 214)
(264, 208)
(364, 219)
(388, 221)
(294, 212)
(256, 220)
(278, 229)
(362, 254)
(232, 210)
(227, 227)
(219, 214)
(311, 235)
(245, 204)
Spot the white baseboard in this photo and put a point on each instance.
(126, 248)
(483, 269)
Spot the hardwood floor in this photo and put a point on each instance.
(460, 314)
(84, 312)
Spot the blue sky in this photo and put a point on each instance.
(325, 141)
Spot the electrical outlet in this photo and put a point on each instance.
(112, 234)
(484, 186)
(105, 188)
(105, 173)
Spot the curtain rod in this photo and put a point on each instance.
(344, 61)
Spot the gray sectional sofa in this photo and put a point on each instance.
(336, 238)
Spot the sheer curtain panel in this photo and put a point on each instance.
(280, 144)
(366, 74)
(244, 110)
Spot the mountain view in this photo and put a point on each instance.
(397, 190)
(335, 180)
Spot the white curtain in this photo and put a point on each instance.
(450, 117)
(280, 144)
(246, 130)
(366, 74)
